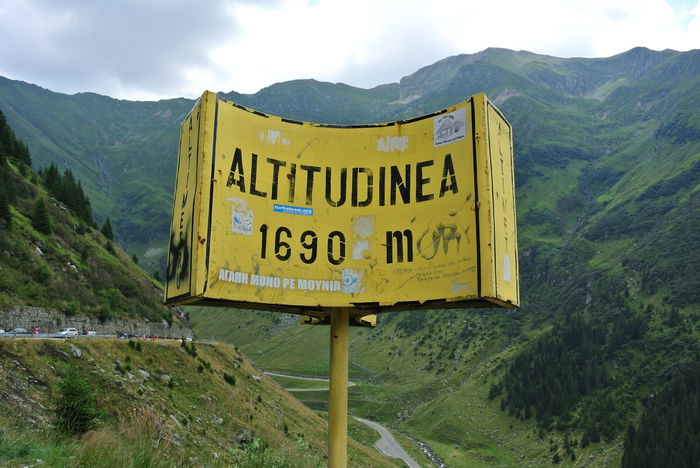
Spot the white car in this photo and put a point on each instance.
(66, 332)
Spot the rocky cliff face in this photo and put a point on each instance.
(50, 321)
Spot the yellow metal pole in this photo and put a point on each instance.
(338, 390)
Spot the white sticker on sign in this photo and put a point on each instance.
(506, 268)
(241, 217)
(352, 281)
(448, 128)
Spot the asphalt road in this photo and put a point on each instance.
(386, 443)
(316, 379)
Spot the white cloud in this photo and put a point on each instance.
(150, 49)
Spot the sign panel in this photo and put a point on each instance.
(284, 215)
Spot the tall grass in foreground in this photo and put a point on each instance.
(139, 440)
(258, 454)
(135, 442)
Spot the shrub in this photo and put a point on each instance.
(190, 349)
(72, 308)
(135, 345)
(229, 379)
(76, 408)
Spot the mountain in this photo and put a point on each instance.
(607, 158)
(52, 255)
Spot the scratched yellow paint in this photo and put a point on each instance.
(285, 215)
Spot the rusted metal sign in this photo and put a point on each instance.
(299, 217)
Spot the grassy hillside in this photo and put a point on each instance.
(154, 403)
(52, 255)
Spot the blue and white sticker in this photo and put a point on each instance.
(241, 217)
(296, 210)
(352, 281)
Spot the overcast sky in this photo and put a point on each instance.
(153, 49)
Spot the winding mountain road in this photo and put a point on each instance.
(386, 443)
(316, 379)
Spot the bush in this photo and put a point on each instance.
(190, 349)
(72, 308)
(229, 379)
(135, 345)
(76, 408)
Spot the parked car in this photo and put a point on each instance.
(2, 331)
(66, 332)
(91, 333)
(17, 331)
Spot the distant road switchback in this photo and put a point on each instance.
(386, 443)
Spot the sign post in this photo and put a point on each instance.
(338, 390)
(336, 223)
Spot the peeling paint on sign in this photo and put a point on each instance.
(388, 144)
(294, 216)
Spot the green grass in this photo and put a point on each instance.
(191, 414)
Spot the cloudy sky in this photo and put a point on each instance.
(152, 49)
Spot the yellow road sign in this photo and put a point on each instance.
(301, 217)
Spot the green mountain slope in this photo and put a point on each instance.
(52, 255)
(123, 152)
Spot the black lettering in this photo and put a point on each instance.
(282, 245)
(382, 185)
(421, 181)
(263, 240)
(292, 176)
(253, 178)
(343, 187)
(399, 236)
(341, 255)
(310, 242)
(310, 170)
(356, 171)
(276, 163)
(403, 184)
(449, 178)
(235, 175)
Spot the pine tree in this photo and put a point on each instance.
(11, 147)
(41, 220)
(66, 189)
(52, 179)
(107, 230)
(76, 408)
(5, 213)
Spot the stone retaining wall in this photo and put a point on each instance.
(50, 321)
